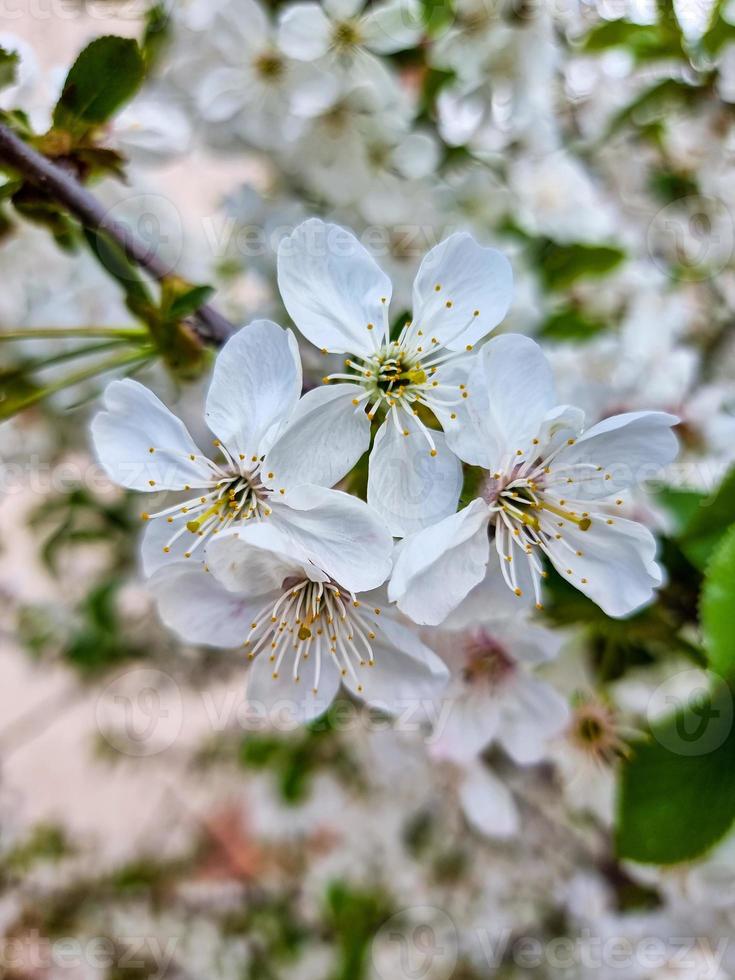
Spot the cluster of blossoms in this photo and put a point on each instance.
(310, 580)
(388, 505)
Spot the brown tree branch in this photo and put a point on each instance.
(210, 325)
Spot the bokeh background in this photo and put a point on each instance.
(144, 831)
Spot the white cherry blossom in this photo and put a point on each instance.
(339, 299)
(546, 494)
(273, 462)
(304, 630)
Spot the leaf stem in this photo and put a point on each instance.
(120, 360)
(61, 333)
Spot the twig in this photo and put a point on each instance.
(210, 325)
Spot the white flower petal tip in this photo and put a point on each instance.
(142, 445)
(463, 290)
(333, 289)
(256, 384)
(437, 567)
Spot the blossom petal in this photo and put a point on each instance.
(304, 31)
(406, 672)
(285, 702)
(257, 560)
(407, 486)
(343, 9)
(136, 422)
(159, 534)
(437, 567)
(333, 288)
(193, 604)
(487, 803)
(392, 26)
(469, 727)
(491, 599)
(339, 533)
(324, 438)
(614, 564)
(255, 386)
(629, 448)
(510, 392)
(475, 291)
(534, 715)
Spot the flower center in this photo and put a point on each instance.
(346, 36)
(594, 730)
(310, 621)
(269, 66)
(236, 493)
(531, 515)
(403, 376)
(487, 661)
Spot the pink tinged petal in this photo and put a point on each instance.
(629, 449)
(255, 386)
(198, 609)
(488, 804)
(392, 26)
(437, 567)
(534, 715)
(285, 702)
(474, 294)
(613, 563)
(304, 31)
(257, 560)
(339, 533)
(406, 673)
(143, 446)
(324, 438)
(333, 289)
(511, 391)
(410, 484)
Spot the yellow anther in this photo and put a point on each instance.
(145, 517)
(433, 452)
(151, 483)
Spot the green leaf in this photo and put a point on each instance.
(562, 265)
(116, 263)
(189, 302)
(717, 606)
(654, 101)
(437, 15)
(709, 522)
(681, 503)
(569, 323)
(8, 67)
(646, 42)
(104, 77)
(719, 31)
(677, 793)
